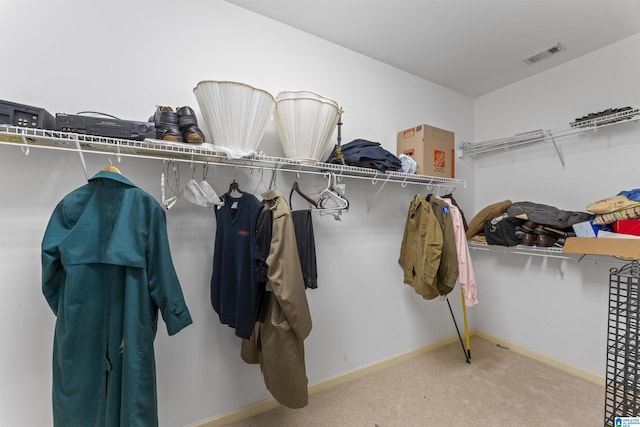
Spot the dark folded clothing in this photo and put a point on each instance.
(366, 154)
(547, 215)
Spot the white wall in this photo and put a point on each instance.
(126, 57)
(526, 300)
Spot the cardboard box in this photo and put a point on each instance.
(625, 248)
(432, 148)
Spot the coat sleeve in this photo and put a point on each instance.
(286, 280)
(164, 286)
(52, 271)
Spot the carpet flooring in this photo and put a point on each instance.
(498, 388)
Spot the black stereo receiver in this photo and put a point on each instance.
(15, 114)
(107, 127)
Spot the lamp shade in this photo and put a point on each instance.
(235, 115)
(305, 122)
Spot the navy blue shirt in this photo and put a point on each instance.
(233, 281)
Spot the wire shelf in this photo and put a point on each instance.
(594, 124)
(552, 251)
(202, 153)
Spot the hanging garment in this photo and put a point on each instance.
(277, 344)
(448, 270)
(106, 272)
(466, 274)
(233, 279)
(303, 226)
(455, 203)
(263, 244)
(421, 248)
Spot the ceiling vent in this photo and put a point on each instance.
(544, 54)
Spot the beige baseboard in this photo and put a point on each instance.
(268, 404)
(565, 367)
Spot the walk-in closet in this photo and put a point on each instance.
(164, 265)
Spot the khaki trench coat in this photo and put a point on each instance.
(277, 344)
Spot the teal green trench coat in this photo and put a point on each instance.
(106, 272)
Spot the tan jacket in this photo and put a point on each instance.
(421, 248)
(277, 344)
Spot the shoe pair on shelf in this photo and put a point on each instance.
(534, 234)
(178, 126)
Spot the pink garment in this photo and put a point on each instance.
(466, 276)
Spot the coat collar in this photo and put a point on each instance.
(274, 200)
(111, 176)
(272, 194)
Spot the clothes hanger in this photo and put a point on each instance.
(274, 176)
(264, 185)
(169, 184)
(296, 187)
(331, 194)
(234, 189)
(112, 168)
(208, 188)
(330, 201)
(272, 184)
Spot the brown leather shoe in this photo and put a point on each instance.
(528, 226)
(545, 241)
(529, 239)
(167, 124)
(189, 125)
(541, 230)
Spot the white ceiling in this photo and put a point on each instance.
(471, 46)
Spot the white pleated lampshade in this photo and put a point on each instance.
(235, 115)
(305, 122)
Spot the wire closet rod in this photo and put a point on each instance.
(161, 150)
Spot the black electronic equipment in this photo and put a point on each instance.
(22, 115)
(105, 126)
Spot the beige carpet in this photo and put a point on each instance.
(438, 388)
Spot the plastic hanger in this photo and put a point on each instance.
(274, 177)
(210, 190)
(330, 201)
(261, 182)
(234, 190)
(200, 193)
(169, 184)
